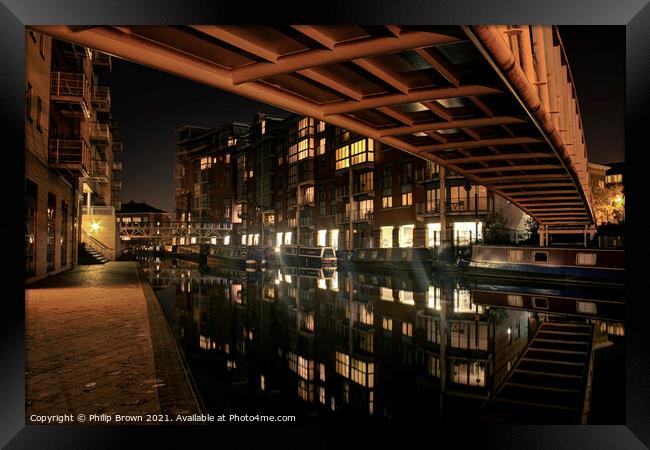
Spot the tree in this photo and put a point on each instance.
(608, 203)
(494, 229)
(532, 228)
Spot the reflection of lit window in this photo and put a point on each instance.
(433, 234)
(342, 364)
(305, 368)
(406, 236)
(407, 329)
(386, 294)
(322, 238)
(386, 237)
(406, 297)
(433, 365)
(226, 240)
(287, 238)
(387, 324)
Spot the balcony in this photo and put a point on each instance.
(117, 204)
(100, 171)
(117, 147)
(117, 166)
(357, 216)
(101, 98)
(473, 205)
(101, 60)
(98, 210)
(364, 189)
(71, 91)
(117, 185)
(72, 155)
(427, 209)
(100, 132)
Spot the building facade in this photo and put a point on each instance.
(70, 155)
(289, 183)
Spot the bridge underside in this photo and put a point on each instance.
(443, 93)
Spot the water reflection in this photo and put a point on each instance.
(323, 343)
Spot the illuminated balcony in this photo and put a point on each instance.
(71, 92)
(117, 166)
(101, 98)
(100, 132)
(73, 155)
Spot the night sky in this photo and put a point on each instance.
(149, 105)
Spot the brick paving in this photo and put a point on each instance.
(97, 342)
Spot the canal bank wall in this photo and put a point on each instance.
(97, 342)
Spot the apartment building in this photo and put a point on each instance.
(71, 155)
(290, 180)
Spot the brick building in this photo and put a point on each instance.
(70, 155)
(287, 182)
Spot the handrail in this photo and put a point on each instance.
(85, 237)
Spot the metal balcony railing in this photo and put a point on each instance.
(101, 98)
(98, 210)
(73, 154)
(357, 216)
(101, 59)
(100, 170)
(63, 84)
(100, 132)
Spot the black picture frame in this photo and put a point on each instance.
(633, 14)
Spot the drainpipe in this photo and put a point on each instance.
(444, 239)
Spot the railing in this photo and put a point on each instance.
(539, 58)
(101, 59)
(100, 131)
(69, 85)
(101, 97)
(364, 188)
(94, 243)
(357, 216)
(100, 170)
(117, 185)
(70, 151)
(426, 174)
(98, 210)
(456, 206)
(307, 221)
(117, 166)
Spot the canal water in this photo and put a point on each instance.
(329, 345)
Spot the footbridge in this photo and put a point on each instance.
(201, 232)
(496, 104)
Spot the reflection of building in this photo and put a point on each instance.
(70, 155)
(289, 182)
(392, 346)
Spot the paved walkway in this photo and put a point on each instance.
(97, 342)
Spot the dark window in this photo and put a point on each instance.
(64, 233)
(29, 92)
(31, 197)
(51, 216)
(39, 110)
(541, 256)
(540, 302)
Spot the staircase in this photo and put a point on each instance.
(551, 382)
(88, 256)
(90, 250)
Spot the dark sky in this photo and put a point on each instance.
(150, 105)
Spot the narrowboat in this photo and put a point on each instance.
(239, 256)
(575, 265)
(395, 258)
(598, 302)
(293, 255)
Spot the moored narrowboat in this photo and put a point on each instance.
(550, 263)
(239, 256)
(395, 258)
(293, 255)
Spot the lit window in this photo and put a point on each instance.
(243, 239)
(322, 238)
(287, 238)
(387, 202)
(386, 237)
(407, 199)
(278, 239)
(433, 234)
(406, 236)
(226, 240)
(321, 146)
(407, 329)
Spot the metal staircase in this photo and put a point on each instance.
(91, 250)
